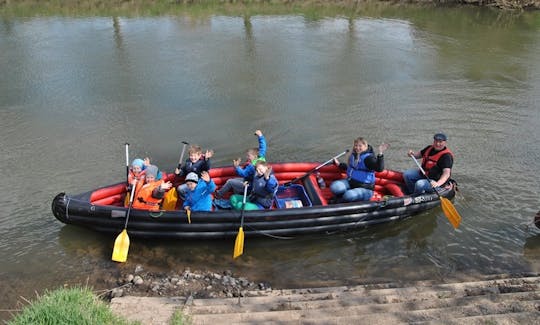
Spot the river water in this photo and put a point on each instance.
(73, 90)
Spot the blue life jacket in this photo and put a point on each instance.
(263, 191)
(357, 170)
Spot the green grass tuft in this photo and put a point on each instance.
(67, 306)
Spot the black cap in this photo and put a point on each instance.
(440, 137)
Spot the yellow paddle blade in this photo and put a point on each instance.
(239, 243)
(450, 212)
(121, 247)
(169, 200)
(188, 212)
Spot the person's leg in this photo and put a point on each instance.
(237, 185)
(422, 186)
(339, 187)
(357, 194)
(237, 201)
(182, 190)
(230, 184)
(410, 176)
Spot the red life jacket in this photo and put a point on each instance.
(144, 199)
(429, 161)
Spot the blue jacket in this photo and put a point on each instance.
(249, 170)
(200, 198)
(263, 191)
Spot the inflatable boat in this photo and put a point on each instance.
(303, 205)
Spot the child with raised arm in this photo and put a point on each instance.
(196, 163)
(150, 195)
(199, 192)
(262, 190)
(253, 155)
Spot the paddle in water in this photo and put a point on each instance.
(448, 208)
(121, 244)
(239, 242)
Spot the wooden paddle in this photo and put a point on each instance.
(448, 208)
(315, 169)
(121, 244)
(239, 242)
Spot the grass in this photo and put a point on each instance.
(76, 306)
(68, 306)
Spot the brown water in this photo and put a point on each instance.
(74, 90)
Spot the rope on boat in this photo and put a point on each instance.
(233, 212)
(153, 215)
(266, 234)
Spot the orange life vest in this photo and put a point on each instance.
(144, 199)
(429, 161)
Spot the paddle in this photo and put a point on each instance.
(127, 163)
(181, 156)
(316, 168)
(126, 200)
(239, 242)
(448, 208)
(121, 244)
(171, 197)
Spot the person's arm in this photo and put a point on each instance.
(209, 185)
(444, 177)
(375, 163)
(246, 172)
(160, 190)
(262, 144)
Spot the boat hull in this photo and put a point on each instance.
(87, 210)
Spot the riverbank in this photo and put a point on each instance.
(233, 7)
(500, 299)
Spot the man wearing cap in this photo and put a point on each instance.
(437, 161)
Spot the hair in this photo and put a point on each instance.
(193, 149)
(254, 151)
(261, 162)
(360, 140)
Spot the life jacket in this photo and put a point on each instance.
(196, 167)
(357, 170)
(139, 178)
(428, 162)
(144, 199)
(259, 192)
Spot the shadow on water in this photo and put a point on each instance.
(314, 260)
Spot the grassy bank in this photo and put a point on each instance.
(74, 306)
(27, 8)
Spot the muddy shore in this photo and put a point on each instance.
(196, 283)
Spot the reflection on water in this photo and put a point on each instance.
(74, 90)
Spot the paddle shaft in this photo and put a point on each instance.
(182, 154)
(425, 175)
(127, 163)
(130, 202)
(316, 168)
(243, 207)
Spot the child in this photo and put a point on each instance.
(136, 172)
(253, 156)
(196, 163)
(262, 192)
(199, 192)
(151, 193)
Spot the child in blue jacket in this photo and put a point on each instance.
(199, 192)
